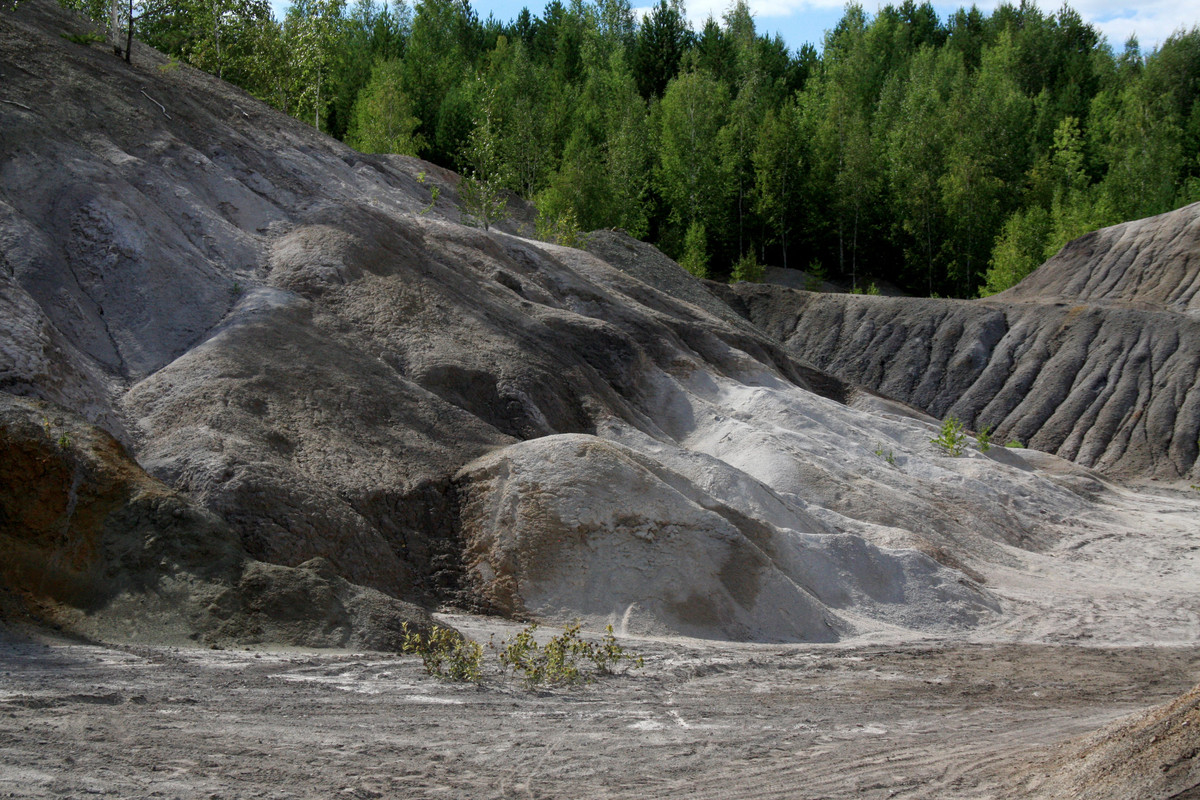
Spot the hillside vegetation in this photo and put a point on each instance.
(946, 156)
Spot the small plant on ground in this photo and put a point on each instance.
(445, 653)
(886, 455)
(951, 438)
(816, 277)
(434, 191)
(562, 228)
(1014, 443)
(747, 269)
(521, 653)
(984, 437)
(562, 655)
(608, 654)
(481, 202)
(562, 659)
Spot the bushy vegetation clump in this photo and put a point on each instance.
(565, 659)
(445, 653)
(984, 438)
(747, 269)
(951, 439)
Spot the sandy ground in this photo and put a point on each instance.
(699, 720)
(1103, 625)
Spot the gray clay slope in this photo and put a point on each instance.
(285, 331)
(97, 547)
(1094, 357)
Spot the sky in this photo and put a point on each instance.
(801, 21)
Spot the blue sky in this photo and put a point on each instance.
(800, 21)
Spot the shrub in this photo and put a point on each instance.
(608, 654)
(445, 653)
(951, 438)
(88, 38)
(562, 229)
(561, 660)
(1014, 443)
(886, 455)
(481, 202)
(816, 277)
(695, 250)
(747, 269)
(434, 191)
(984, 437)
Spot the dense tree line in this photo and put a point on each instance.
(946, 156)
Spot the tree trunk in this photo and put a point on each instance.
(129, 34)
(114, 25)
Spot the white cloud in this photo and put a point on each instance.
(1152, 20)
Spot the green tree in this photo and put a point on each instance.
(661, 41)
(916, 155)
(695, 250)
(437, 68)
(777, 173)
(310, 30)
(481, 193)
(382, 119)
(689, 174)
(1020, 249)
(984, 161)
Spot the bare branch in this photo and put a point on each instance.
(160, 105)
(15, 103)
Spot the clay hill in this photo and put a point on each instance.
(1094, 356)
(258, 387)
(322, 363)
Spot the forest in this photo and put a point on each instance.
(945, 157)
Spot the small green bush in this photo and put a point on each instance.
(562, 659)
(562, 229)
(747, 269)
(816, 278)
(1014, 443)
(445, 653)
(984, 437)
(434, 192)
(482, 203)
(886, 455)
(695, 250)
(951, 438)
(608, 654)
